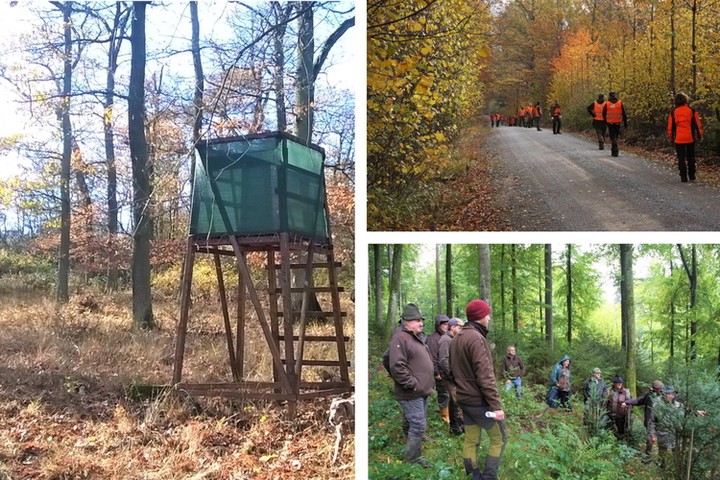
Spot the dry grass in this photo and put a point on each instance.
(64, 415)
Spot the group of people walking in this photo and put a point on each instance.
(684, 127)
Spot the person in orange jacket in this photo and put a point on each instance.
(595, 109)
(614, 115)
(684, 128)
(555, 114)
(529, 116)
(537, 115)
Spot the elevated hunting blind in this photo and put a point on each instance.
(265, 193)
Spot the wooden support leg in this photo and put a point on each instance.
(184, 310)
(226, 318)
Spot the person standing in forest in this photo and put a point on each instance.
(593, 391)
(455, 414)
(560, 384)
(513, 370)
(411, 368)
(650, 399)
(614, 115)
(595, 109)
(684, 129)
(537, 115)
(433, 344)
(472, 364)
(617, 408)
(668, 419)
(555, 112)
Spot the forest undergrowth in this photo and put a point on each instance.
(543, 443)
(66, 412)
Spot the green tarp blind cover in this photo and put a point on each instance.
(259, 184)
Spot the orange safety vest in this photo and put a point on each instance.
(536, 111)
(684, 125)
(528, 110)
(556, 111)
(598, 110)
(614, 112)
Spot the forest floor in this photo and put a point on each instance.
(66, 411)
(542, 444)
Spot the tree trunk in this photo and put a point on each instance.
(141, 169)
(540, 299)
(548, 298)
(485, 273)
(691, 272)
(448, 281)
(569, 294)
(502, 286)
(305, 91)
(282, 14)
(64, 254)
(199, 81)
(394, 294)
(623, 295)
(117, 36)
(513, 273)
(438, 277)
(628, 307)
(377, 273)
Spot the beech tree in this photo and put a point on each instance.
(143, 316)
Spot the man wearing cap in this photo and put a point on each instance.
(668, 419)
(433, 343)
(472, 364)
(617, 408)
(650, 399)
(412, 371)
(454, 412)
(593, 391)
(513, 370)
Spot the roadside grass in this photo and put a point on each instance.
(543, 443)
(64, 414)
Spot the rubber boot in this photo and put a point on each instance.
(445, 414)
(614, 150)
(491, 468)
(413, 451)
(602, 145)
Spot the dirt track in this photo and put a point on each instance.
(564, 183)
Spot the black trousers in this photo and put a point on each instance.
(556, 124)
(686, 160)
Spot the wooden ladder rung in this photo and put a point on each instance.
(321, 363)
(316, 314)
(314, 289)
(315, 265)
(316, 338)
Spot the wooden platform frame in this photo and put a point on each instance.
(276, 322)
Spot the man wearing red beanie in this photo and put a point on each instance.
(472, 366)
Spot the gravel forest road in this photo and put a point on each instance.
(564, 183)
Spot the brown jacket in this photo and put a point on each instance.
(410, 366)
(512, 367)
(472, 367)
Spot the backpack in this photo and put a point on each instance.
(386, 361)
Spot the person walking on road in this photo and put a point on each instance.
(537, 115)
(684, 129)
(472, 364)
(614, 115)
(555, 113)
(595, 109)
(411, 368)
